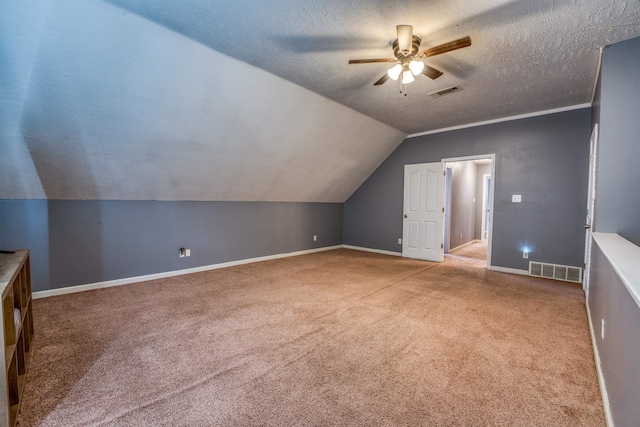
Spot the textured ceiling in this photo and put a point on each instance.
(96, 103)
(526, 56)
(254, 101)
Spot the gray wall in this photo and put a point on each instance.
(463, 206)
(80, 242)
(616, 107)
(545, 159)
(618, 186)
(619, 352)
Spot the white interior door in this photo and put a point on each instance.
(423, 226)
(591, 201)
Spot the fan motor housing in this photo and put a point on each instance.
(415, 47)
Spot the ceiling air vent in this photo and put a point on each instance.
(446, 91)
(555, 271)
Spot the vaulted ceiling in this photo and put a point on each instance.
(245, 100)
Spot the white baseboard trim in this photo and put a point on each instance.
(603, 388)
(509, 270)
(166, 274)
(463, 245)
(163, 275)
(377, 251)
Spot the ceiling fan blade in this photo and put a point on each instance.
(382, 80)
(405, 37)
(431, 72)
(447, 47)
(369, 61)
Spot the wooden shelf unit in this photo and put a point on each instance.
(17, 331)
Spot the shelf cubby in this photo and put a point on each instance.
(17, 331)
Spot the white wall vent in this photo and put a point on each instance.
(555, 271)
(446, 91)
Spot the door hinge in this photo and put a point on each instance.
(441, 245)
(442, 210)
(444, 173)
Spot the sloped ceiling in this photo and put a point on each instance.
(97, 103)
(240, 100)
(526, 56)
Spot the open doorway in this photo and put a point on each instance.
(469, 206)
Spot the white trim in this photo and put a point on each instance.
(491, 195)
(623, 256)
(591, 204)
(484, 233)
(469, 158)
(503, 119)
(136, 279)
(377, 251)
(603, 387)
(463, 245)
(509, 270)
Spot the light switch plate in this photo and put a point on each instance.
(516, 198)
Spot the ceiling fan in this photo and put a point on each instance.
(406, 49)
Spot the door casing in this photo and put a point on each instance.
(492, 157)
(591, 201)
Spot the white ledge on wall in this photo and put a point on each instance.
(624, 257)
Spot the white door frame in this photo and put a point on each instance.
(591, 201)
(491, 196)
(483, 228)
(447, 207)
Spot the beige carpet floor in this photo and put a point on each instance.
(341, 338)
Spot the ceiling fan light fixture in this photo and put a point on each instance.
(407, 77)
(416, 67)
(394, 72)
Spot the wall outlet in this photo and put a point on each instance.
(516, 198)
(399, 241)
(187, 252)
(602, 330)
(315, 238)
(525, 255)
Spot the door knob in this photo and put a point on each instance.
(587, 226)
(406, 216)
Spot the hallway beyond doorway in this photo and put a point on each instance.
(476, 251)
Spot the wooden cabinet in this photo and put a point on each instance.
(17, 331)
